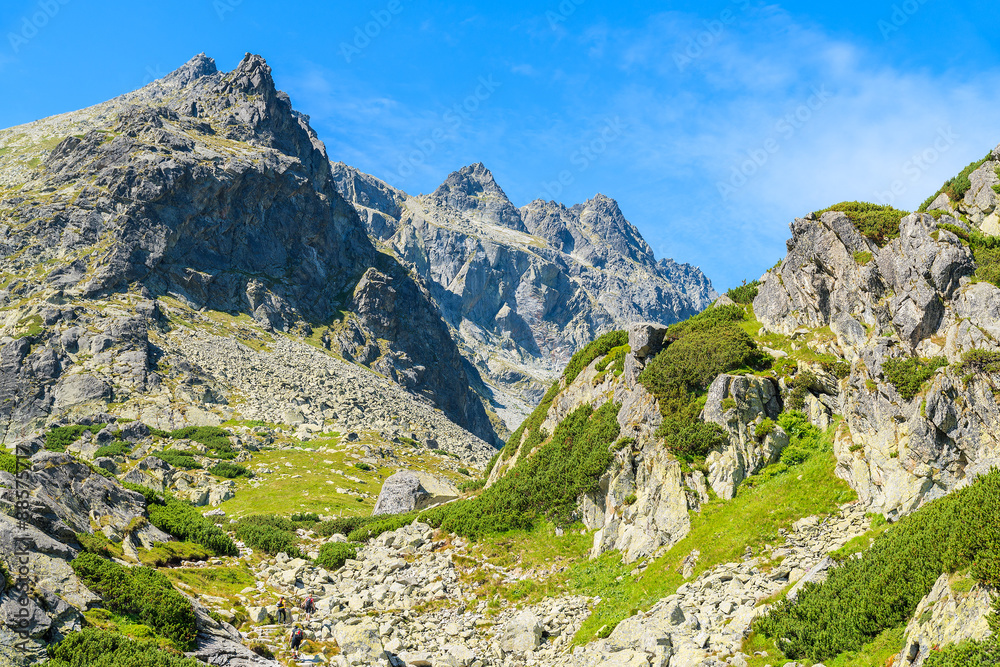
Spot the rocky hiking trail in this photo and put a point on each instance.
(407, 599)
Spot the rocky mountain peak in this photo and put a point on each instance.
(473, 189)
(199, 66)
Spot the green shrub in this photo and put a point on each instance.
(333, 555)
(230, 470)
(878, 222)
(342, 526)
(744, 293)
(471, 485)
(212, 437)
(141, 591)
(105, 648)
(697, 350)
(956, 187)
(968, 653)
(594, 349)
(615, 358)
(800, 386)
(188, 525)
(908, 374)
(839, 368)
(61, 437)
(178, 458)
(268, 533)
(545, 484)
(361, 465)
(304, 517)
(862, 257)
(980, 361)
(116, 448)
(863, 597)
(764, 428)
(9, 463)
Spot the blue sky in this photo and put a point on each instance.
(712, 123)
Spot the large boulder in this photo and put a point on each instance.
(407, 490)
(359, 642)
(522, 633)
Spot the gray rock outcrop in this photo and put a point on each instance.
(912, 297)
(206, 189)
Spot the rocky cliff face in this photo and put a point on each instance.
(205, 189)
(913, 297)
(522, 289)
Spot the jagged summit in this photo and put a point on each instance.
(523, 288)
(199, 66)
(473, 189)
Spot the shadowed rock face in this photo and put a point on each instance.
(522, 289)
(210, 188)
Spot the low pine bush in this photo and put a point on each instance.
(187, 524)
(268, 533)
(9, 463)
(879, 222)
(116, 448)
(980, 361)
(968, 653)
(61, 437)
(592, 350)
(178, 459)
(908, 374)
(105, 648)
(545, 484)
(697, 350)
(143, 592)
(230, 470)
(341, 526)
(863, 597)
(333, 555)
(744, 293)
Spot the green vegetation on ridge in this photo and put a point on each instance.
(695, 352)
(143, 592)
(863, 597)
(879, 222)
(545, 484)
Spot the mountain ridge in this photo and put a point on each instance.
(522, 288)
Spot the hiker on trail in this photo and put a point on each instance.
(295, 640)
(282, 611)
(309, 607)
